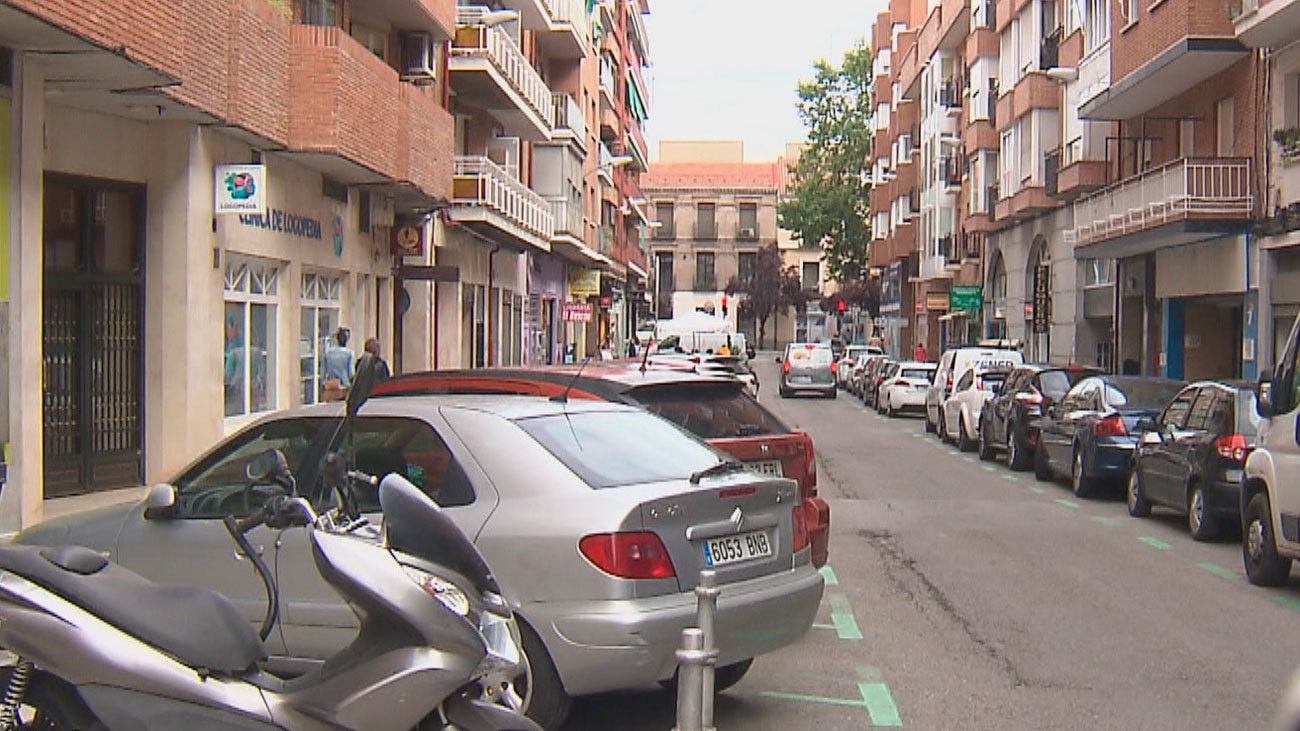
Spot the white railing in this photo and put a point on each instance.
(1204, 187)
(637, 25)
(607, 75)
(573, 12)
(501, 193)
(568, 115)
(500, 50)
(567, 215)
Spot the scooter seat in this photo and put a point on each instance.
(198, 627)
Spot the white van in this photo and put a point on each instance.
(1270, 492)
(953, 365)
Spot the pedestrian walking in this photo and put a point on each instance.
(382, 373)
(921, 355)
(340, 365)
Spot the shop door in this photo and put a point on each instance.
(93, 344)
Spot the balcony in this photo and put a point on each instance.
(606, 240)
(488, 70)
(636, 34)
(1029, 201)
(1049, 54)
(1081, 172)
(1051, 165)
(570, 126)
(980, 135)
(1179, 202)
(567, 30)
(1268, 23)
(484, 194)
(982, 43)
(351, 117)
(950, 96)
(610, 126)
(1034, 90)
(1144, 82)
(949, 250)
(950, 170)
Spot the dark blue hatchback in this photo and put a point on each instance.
(1092, 432)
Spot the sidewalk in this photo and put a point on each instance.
(63, 506)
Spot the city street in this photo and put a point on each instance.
(966, 596)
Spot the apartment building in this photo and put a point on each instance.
(192, 203)
(715, 211)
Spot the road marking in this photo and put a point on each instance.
(1011, 477)
(819, 625)
(842, 616)
(970, 459)
(1288, 601)
(1112, 522)
(828, 574)
(1067, 503)
(988, 468)
(1037, 490)
(1217, 570)
(875, 697)
(1155, 543)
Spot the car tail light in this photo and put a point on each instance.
(1111, 426)
(1232, 446)
(633, 555)
(810, 465)
(799, 521)
(785, 367)
(949, 386)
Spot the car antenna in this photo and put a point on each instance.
(563, 397)
(645, 355)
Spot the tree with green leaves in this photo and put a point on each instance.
(828, 205)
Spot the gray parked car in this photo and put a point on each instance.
(808, 367)
(595, 517)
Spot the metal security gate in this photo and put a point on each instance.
(93, 335)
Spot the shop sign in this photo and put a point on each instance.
(408, 240)
(1042, 298)
(584, 282)
(240, 189)
(577, 312)
(965, 297)
(936, 301)
(891, 288)
(292, 224)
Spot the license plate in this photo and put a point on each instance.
(801, 379)
(737, 548)
(767, 467)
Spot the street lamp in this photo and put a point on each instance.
(617, 161)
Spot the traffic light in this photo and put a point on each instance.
(724, 305)
(841, 306)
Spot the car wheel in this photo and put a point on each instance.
(964, 442)
(832, 393)
(1080, 482)
(785, 393)
(1201, 523)
(1042, 468)
(548, 703)
(1017, 456)
(1258, 549)
(889, 408)
(1138, 506)
(928, 426)
(985, 445)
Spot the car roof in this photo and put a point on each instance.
(917, 364)
(1233, 384)
(614, 377)
(506, 406)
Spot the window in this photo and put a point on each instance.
(1025, 133)
(251, 287)
(1129, 9)
(709, 412)
(320, 12)
(1008, 158)
(1286, 386)
(811, 275)
(745, 265)
(215, 487)
(1290, 99)
(664, 215)
(320, 302)
(1098, 272)
(966, 380)
(1096, 28)
(705, 279)
(1176, 413)
(1053, 384)
(412, 449)
(473, 335)
(614, 448)
(374, 39)
(706, 221)
(748, 221)
(1199, 416)
(1224, 120)
(1186, 138)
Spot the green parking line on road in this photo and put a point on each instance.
(842, 616)
(969, 458)
(819, 625)
(1037, 490)
(988, 468)
(1217, 570)
(828, 574)
(876, 698)
(1011, 477)
(1112, 522)
(1067, 503)
(1289, 602)
(1155, 543)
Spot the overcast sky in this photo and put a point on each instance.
(727, 69)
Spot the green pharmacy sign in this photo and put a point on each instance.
(966, 297)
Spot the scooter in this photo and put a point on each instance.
(96, 646)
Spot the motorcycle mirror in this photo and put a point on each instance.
(161, 502)
(267, 466)
(363, 384)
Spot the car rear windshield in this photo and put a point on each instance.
(1055, 383)
(615, 448)
(1137, 394)
(1248, 419)
(924, 374)
(709, 411)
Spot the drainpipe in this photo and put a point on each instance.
(491, 341)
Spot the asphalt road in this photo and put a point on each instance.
(970, 597)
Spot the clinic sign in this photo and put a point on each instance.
(239, 189)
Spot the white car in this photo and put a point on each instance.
(851, 356)
(961, 411)
(953, 364)
(906, 389)
(1270, 493)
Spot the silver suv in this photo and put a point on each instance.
(808, 367)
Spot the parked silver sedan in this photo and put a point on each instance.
(595, 517)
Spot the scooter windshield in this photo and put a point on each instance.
(418, 527)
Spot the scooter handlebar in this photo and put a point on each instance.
(241, 526)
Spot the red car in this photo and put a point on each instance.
(715, 409)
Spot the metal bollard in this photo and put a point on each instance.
(691, 659)
(706, 592)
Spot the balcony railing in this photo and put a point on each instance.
(474, 39)
(567, 214)
(1051, 166)
(568, 115)
(1050, 53)
(477, 181)
(707, 231)
(950, 169)
(607, 76)
(950, 95)
(1214, 188)
(573, 12)
(972, 245)
(949, 253)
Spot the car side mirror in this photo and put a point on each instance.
(1264, 398)
(160, 504)
(777, 359)
(270, 466)
(1146, 424)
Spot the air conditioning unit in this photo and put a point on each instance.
(419, 58)
(748, 233)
